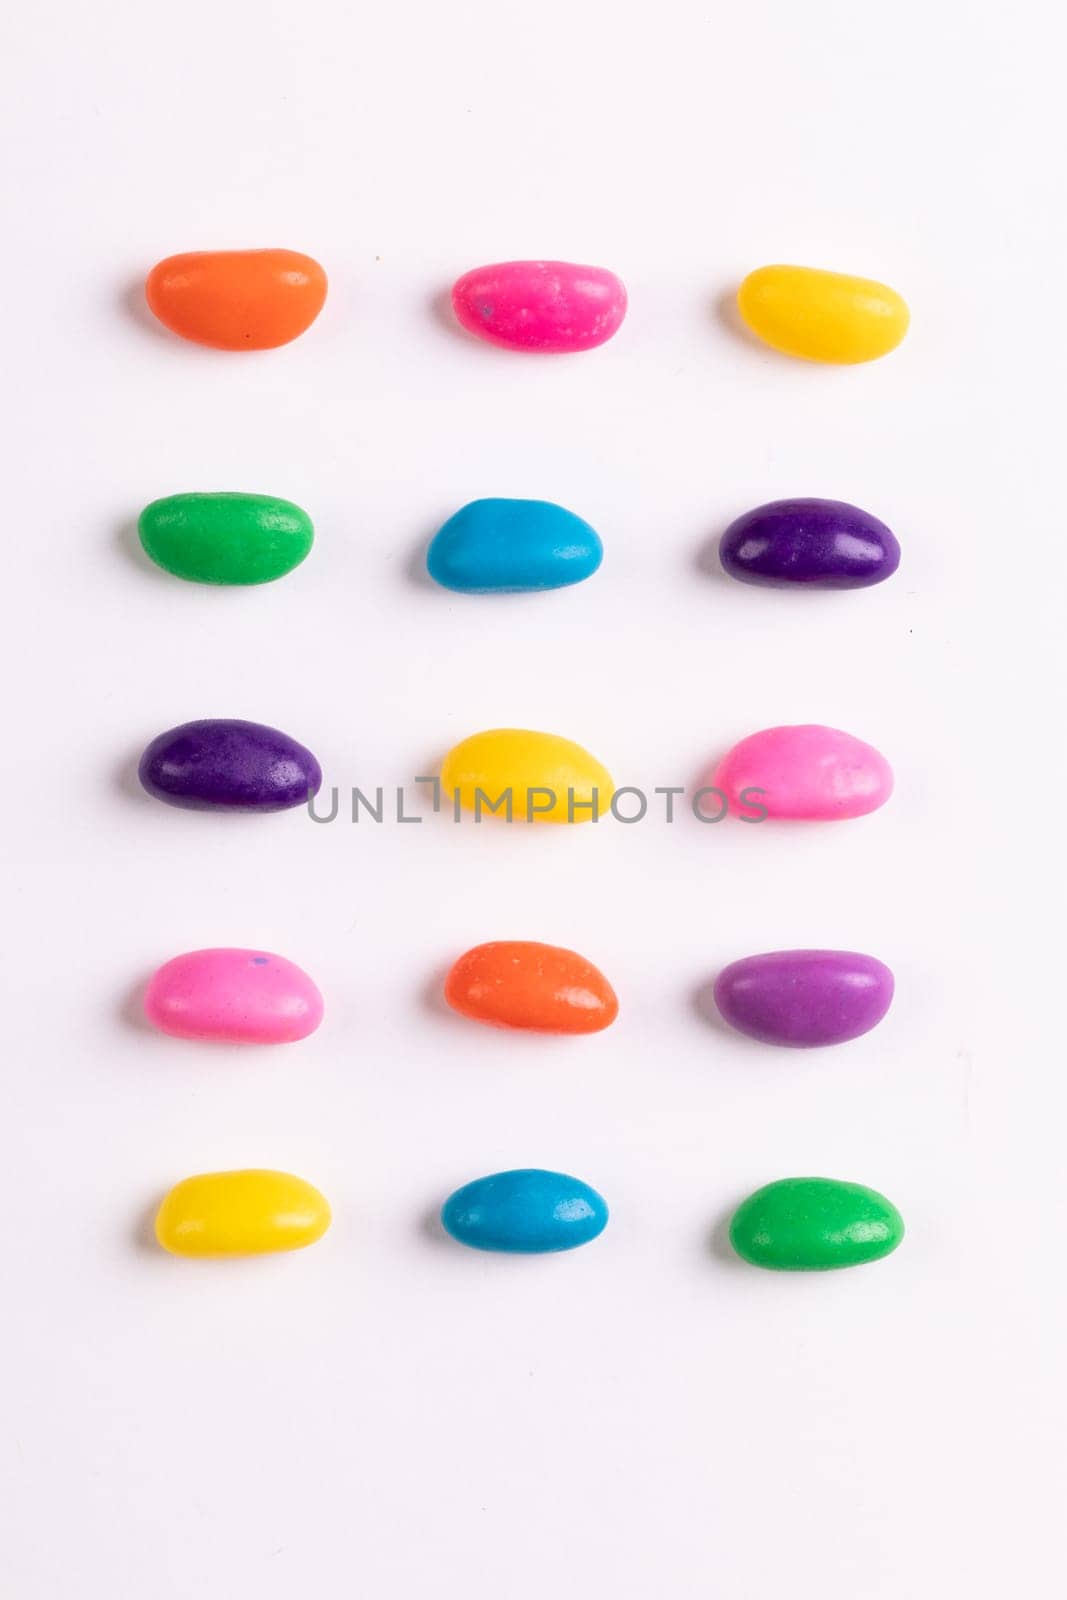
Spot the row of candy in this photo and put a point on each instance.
(796, 998)
(501, 546)
(259, 299)
(804, 772)
(793, 1225)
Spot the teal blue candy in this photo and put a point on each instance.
(513, 547)
(528, 1212)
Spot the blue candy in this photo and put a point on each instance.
(512, 547)
(527, 1212)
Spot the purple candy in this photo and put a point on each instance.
(817, 544)
(804, 997)
(221, 764)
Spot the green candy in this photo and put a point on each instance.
(813, 1224)
(226, 538)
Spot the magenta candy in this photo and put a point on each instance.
(802, 998)
(805, 772)
(540, 305)
(242, 996)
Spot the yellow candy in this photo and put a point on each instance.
(532, 777)
(241, 1214)
(823, 316)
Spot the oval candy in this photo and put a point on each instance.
(822, 316)
(237, 299)
(526, 776)
(517, 983)
(814, 1224)
(813, 544)
(247, 1213)
(241, 996)
(225, 538)
(549, 306)
(805, 772)
(526, 1212)
(223, 764)
(803, 998)
(512, 547)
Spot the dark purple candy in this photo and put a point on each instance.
(221, 764)
(817, 544)
(804, 997)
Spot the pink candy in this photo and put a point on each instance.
(540, 305)
(243, 996)
(806, 772)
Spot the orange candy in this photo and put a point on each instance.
(515, 983)
(237, 299)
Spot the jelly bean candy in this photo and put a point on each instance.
(804, 997)
(225, 538)
(822, 316)
(222, 764)
(814, 1224)
(241, 1214)
(243, 996)
(511, 547)
(805, 772)
(809, 544)
(514, 983)
(528, 1212)
(535, 777)
(540, 305)
(237, 299)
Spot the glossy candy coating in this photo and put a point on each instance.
(822, 316)
(527, 1212)
(806, 772)
(804, 997)
(814, 1224)
(512, 547)
(246, 1213)
(237, 299)
(549, 306)
(516, 983)
(242, 996)
(223, 764)
(809, 544)
(550, 779)
(225, 538)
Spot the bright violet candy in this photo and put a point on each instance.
(224, 764)
(239, 996)
(551, 306)
(805, 773)
(518, 983)
(809, 544)
(803, 998)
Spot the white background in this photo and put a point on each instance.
(388, 1415)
